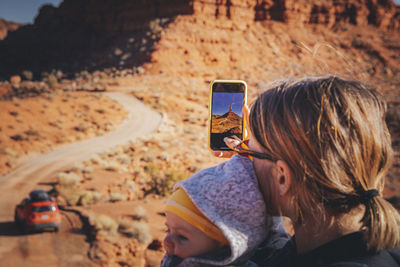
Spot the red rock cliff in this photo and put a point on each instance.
(82, 34)
(122, 16)
(6, 26)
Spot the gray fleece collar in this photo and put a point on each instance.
(229, 196)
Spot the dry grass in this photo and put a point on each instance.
(106, 224)
(75, 197)
(67, 180)
(89, 198)
(117, 196)
(141, 214)
(112, 166)
(161, 182)
(67, 189)
(138, 230)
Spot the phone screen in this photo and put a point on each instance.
(227, 100)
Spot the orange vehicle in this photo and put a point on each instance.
(38, 212)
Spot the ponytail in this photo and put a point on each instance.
(332, 134)
(382, 222)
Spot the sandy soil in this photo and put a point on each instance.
(37, 125)
(28, 175)
(118, 191)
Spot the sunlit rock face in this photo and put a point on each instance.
(7, 26)
(90, 34)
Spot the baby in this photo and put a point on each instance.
(218, 217)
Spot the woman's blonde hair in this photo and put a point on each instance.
(332, 134)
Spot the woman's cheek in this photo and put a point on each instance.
(267, 186)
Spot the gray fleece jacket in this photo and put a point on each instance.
(229, 196)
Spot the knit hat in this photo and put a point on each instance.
(181, 205)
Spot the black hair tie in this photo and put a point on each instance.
(366, 196)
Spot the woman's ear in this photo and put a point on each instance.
(284, 177)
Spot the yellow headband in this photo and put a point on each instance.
(180, 204)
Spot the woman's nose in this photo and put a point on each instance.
(169, 245)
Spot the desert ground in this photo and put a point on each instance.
(110, 186)
(109, 144)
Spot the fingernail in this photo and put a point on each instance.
(228, 140)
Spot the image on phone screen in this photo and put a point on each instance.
(226, 114)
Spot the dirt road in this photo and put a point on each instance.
(68, 247)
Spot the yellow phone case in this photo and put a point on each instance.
(244, 132)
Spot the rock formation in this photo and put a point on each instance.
(7, 26)
(90, 34)
(229, 122)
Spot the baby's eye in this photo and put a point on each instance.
(183, 238)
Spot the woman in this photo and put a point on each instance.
(321, 149)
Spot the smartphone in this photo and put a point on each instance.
(226, 101)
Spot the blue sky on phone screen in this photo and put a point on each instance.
(221, 102)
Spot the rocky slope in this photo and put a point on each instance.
(94, 34)
(7, 26)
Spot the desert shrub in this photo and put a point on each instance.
(112, 166)
(77, 167)
(138, 230)
(88, 198)
(117, 52)
(69, 180)
(130, 185)
(44, 75)
(59, 74)
(161, 183)
(96, 159)
(71, 196)
(100, 111)
(19, 137)
(155, 26)
(15, 79)
(52, 81)
(8, 151)
(106, 224)
(141, 213)
(87, 169)
(11, 154)
(117, 196)
(124, 159)
(81, 128)
(124, 224)
(43, 86)
(75, 197)
(109, 127)
(86, 75)
(27, 75)
(103, 76)
(32, 133)
(132, 260)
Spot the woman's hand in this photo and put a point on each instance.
(230, 142)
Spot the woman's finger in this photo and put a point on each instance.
(224, 154)
(230, 142)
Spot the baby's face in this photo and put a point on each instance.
(184, 240)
